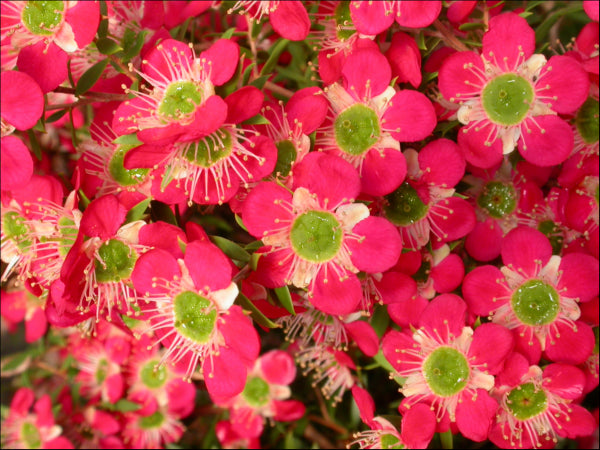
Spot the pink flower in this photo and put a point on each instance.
(372, 18)
(22, 305)
(536, 294)
(316, 237)
(448, 366)
(509, 96)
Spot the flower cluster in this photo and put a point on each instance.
(300, 224)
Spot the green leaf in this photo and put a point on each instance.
(380, 320)
(128, 139)
(472, 26)
(258, 119)
(253, 246)
(182, 245)
(17, 361)
(238, 220)
(542, 30)
(228, 33)
(83, 200)
(137, 211)
(260, 81)
(421, 41)
(107, 46)
(247, 73)
(231, 249)
(161, 211)
(275, 51)
(533, 4)
(283, 294)
(446, 439)
(254, 260)
(35, 145)
(525, 14)
(56, 116)
(122, 405)
(256, 313)
(132, 43)
(103, 28)
(90, 76)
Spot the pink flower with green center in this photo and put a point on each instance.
(538, 406)
(369, 119)
(316, 237)
(448, 366)
(188, 304)
(424, 205)
(536, 295)
(509, 96)
(153, 428)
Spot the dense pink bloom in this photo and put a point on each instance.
(372, 18)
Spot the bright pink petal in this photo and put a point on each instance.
(207, 119)
(445, 316)
(240, 335)
(366, 73)
(290, 20)
(509, 42)
(452, 218)
(486, 337)
(84, 19)
(570, 343)
(22, 99)
(364, 335)
(579, 277)
(405, 59)
(417, 14)
(103, 217)
(448, 274)
(407, 312)
(565, 83)
(243, 104)
(455, 80)
(114, 387)
(224, 374)
(278, 367)
(332, 178)
(410, 116)
(222, 59)
(382, 171)
(13, 305)
(288, 410)
(458, 11)
(515, 366)
(522, 247)
(472, 142)
(306, 109)
(262, 212)
(163, 235)
(474, 415)
(368, 254)
(16, 165)
(266, 158)
(588, 38)
(393, 343)
(527, 343)
(484, 242)
(146, 156)
(370, 18)
(395, 287)
(46, 64)
(482, 290)
(273, 267)
(208, 266)
(418, 426)
(127, 113)
(549, 143)
(442, 163)
(247, 423)
(36, 326)
(591, 9)
(163, 56)
(157, 263)
(564, 380)
(580, 421)
(365, 403)
(334, 295)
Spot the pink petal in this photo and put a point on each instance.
(147, 156)
(224, 374)
(472, 143)
(405, 59)
(365, 403)
(36, 326)
(588, 38)
(240, 335)
(407, 312)
(417, 14)
(43, 411)
(395, 287)
(456, 80)
(22, 401)
(222, 59)
(336, 296)
(163, 235)
(482, 290)
(264, 164)
(452, 218)
(527, 343)
(243, 104)
(564, 78)
(515, 366)
(490, 336)
(369, 255)
(332, 178)
(549, 141)
(370, 18)
(474, 415)
(306, 109)
(103, 217)
(127, 113)
(485, 241)
(22, 100)
(288, 410)
(579, 277)
(46, 64)
(458, 11)
(522, 247)
(392, 345)
(114, 387)
(84, 19)
(262, 212)
(246, 421)
(418, 426)
(383, 170)
(209, 267)
(366, 73)
(207, 119)
(269, 272)
(157, 263)
(591, 9)
(14, 305)
(508, 36)
(16, 164)
(580, 421)
(163, 56)
(570, 343)
(410, 116)
(278, 367)
(448, 274)
(290, 20)
(564, 380)
(442, 163)
(445, 316)
(364, 335)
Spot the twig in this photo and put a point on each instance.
(449, 38)
(278, 89)
(313, 435)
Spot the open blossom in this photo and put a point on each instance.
(509, 96)
(537, 294)
(316, 237)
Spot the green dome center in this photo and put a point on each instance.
(210, 150)
(535, 303)
(391, 441)
(195, 316)
(13, 225)
(152, 421)
(153, 375)
(256, 391)
(404, 206)
(286, 155)
(119, 260)
(498, 199)
(507, 99)
(526, 401)
(446, 371)
(316, 236)
(42, 17)
(343, 19)
(31, 435)
(586, 121)
(123, 176)
(357, 129)
(181, 98)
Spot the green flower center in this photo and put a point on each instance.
(391, 441)
(153, 375)
(446, 371)
(68, 231)
(102, 371)
(41, 17)
(404, 206)
(535, 303)
(152, 421)
(13, 225)
(181, 98)
(586, 121)
(119, 260)
(526, 401)
(286, 155)
(357, 129)
(210, 150)
(123, 176)
(256, 392)
(316, 236)
(343, 20)
(195, 316)
(507, 99)
(31, 435)
(498, 199)
(552, 231)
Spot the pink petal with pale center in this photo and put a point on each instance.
(444, 317)
(455, 80)
(472, 142)
(154, 264)
(262, 212)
